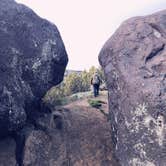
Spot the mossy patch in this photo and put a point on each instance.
(95, 103)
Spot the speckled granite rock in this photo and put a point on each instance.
(134, 61)
(7, 152)
(32, 59)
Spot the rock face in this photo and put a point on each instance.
(7, 152)
(78, 137)
(134, 61)
(32, 59)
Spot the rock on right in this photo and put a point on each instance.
(134, 63)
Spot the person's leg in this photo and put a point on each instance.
(97, 90)
(94, 93)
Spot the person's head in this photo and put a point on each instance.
(96, 72)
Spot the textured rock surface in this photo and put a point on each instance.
(32, 59)
(134, 61)
(77, 135)
(7, 152)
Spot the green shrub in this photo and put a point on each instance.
(73, 83)
(95, 103)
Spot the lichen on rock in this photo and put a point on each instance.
(33, 59)
(134, 63)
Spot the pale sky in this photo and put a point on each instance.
(85, 25)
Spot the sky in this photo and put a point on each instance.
(85, 25)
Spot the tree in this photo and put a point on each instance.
(72, 84)
(85, 79)
(92, 70)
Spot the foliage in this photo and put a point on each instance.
(54, 95)
(95, 103)
(85, 80)
(98, 104)
(73, 83)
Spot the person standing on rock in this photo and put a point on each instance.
(95, 82)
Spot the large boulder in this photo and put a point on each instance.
(32, 59)
(7, 152)
(134, 61)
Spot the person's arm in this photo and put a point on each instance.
(100, 81)
(91, 81)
